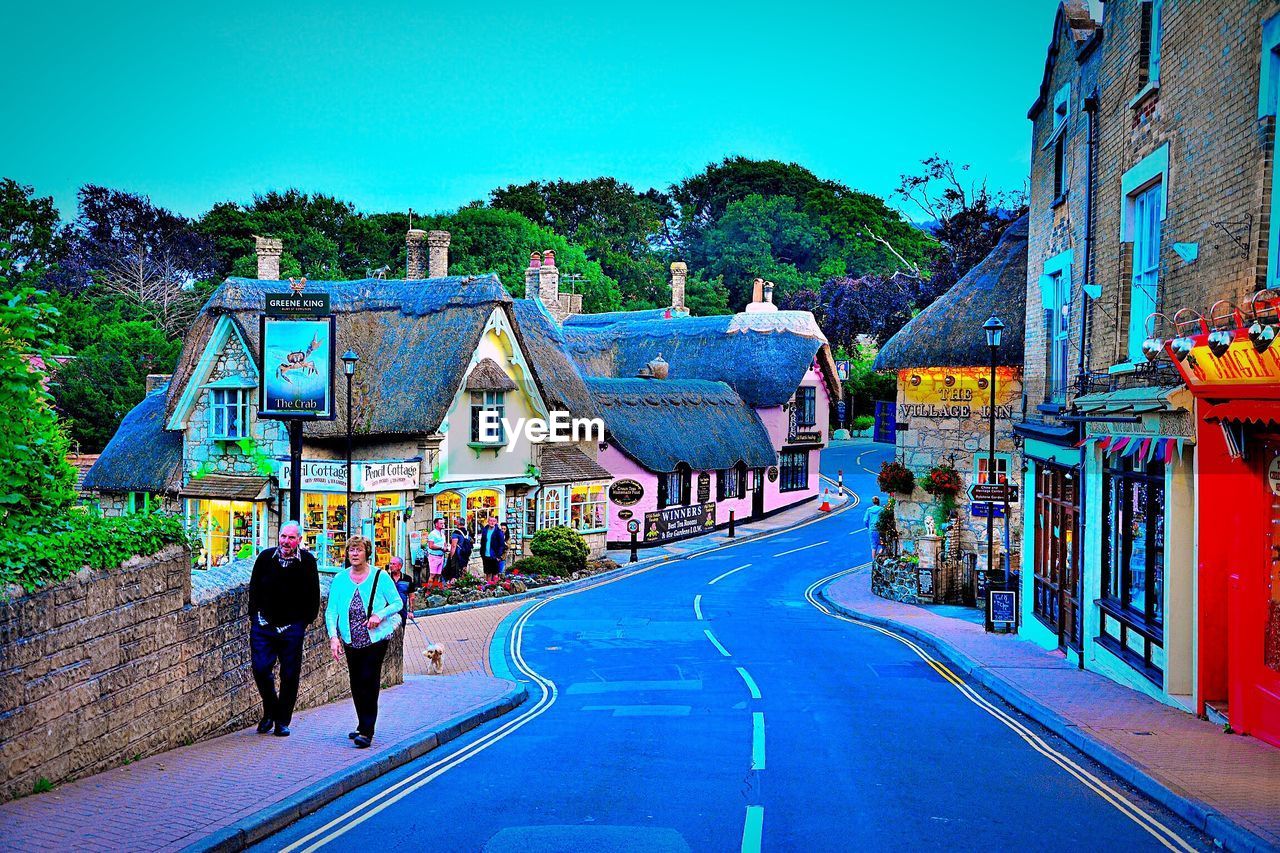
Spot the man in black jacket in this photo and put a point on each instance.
(284, 598)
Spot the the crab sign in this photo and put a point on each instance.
(299, 361)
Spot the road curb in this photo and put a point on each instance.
(277, 816)
(1198, 813)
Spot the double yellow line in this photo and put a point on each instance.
(1158, 830)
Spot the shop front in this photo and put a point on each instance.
(228, 514)
(1235, 377)
(1138, 623)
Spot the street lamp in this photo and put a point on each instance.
(993, 327)
(349, 359)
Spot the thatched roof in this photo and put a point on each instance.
(761, 356)
(608, 318)
(544, 344)
(564, 463)
(141, 456)
(414, 338)
(488, 376)
(662, 422)
(949, 332)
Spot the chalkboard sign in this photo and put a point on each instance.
(704, 487)
(924, 585)
(1003, 607)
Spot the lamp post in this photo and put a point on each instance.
(993, 327)
(349, 359)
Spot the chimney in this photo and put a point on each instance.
(531, 276)
(413, 264)
(757, 291)
(437, 254)
(269, 251)
(549, 283)
(761, 297)
(155, 381)
(768, 292)
(679, 273)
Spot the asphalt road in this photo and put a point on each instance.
(708, 704)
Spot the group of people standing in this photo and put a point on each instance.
(366, 605)
(448, 552)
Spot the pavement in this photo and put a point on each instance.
(229, 792)
(1228, 786)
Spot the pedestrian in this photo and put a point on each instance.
(493, 544)
(404, 585)
(284, 598)
(437, 546)
(460, 545)
(363, 612)
(871, 518)
(506, 538)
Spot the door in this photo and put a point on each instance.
(1265, 715)
(388, 529)
(757, 493)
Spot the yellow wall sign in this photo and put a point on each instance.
(954, 392)
(1241, 364)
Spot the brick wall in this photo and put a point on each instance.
(106, 666)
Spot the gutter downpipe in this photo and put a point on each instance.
(1091, 145)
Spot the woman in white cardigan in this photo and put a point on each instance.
(362, 613)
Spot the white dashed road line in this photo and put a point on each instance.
(697, 607)
(801, 548)
(715, 642)
(752, 829)
(751, 684)
(726, 574)
(757, 741)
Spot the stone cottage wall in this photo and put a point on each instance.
(110, 665)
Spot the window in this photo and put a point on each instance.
(1133, 562)
(530, 516)
(730, 482)
(142, 502)
(448, 507)
(1054, 555)
(1149, 47)
(228, 413)
(1146, 266)
(324, 527)
(1061, 112)
(806, 405)
(227, 530)
(794, 471)
(673, 487)
(551, 503)
(487, 401)
(981, 463)
(1058, 323)
(586, 508)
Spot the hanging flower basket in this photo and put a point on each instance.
(942, 481)
(896, 478)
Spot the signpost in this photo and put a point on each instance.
(997, 493)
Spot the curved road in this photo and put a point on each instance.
(710, 704)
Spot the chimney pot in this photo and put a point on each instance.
(413, 264)
(268, 251)
(437, 254)
(768, 292)
(548, 258)
(757, 290)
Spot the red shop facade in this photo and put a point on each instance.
(1234, 373)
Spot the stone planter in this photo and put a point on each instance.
(895, 579)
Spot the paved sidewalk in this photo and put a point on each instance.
(1228, 786)
(233, 790)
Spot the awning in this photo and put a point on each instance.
(1144, 448)
(1244, 411)
(227, 487)
(1135, 401)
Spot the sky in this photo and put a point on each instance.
(430, 105)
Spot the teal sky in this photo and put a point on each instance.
(430, 105)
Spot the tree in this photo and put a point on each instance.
(149, 256)
(36, 480)
(96, 389)
(30, 235)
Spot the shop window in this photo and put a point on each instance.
(1054, 556)
(1133, 502)
(806, 405)
(731, 482)
(448, 507)
(492, 401)
(793, 468)
(587, 508)
(228, 413)
(530, 516)
(480, 505)
(674, 487)
(324, 527)
(388, 528)
(227, 530)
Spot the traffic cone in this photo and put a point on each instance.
(826, 502)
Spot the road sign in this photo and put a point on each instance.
(996, 493)
(633, 526)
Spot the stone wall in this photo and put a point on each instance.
(107, 666)
(895, 580)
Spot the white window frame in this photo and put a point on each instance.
(1056, 297)
(1268, 87)
(1144, 295)
(980, 460)
(1151, 172)
(553, 516)
(594, 507)
(1156, 36)
(492, 401)
(230, 403)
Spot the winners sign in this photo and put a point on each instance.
(297, 368)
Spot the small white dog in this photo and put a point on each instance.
(434, 654)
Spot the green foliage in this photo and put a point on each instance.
(865, 385)
(540, 566)
(262, 461)
(63, 544)
(97, 389)
(29, 231)
(42, 786)
(887, 527)
(862, 423)
(35, 479)
(562, 546)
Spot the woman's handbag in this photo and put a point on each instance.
(394, 618)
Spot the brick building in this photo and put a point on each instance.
(1153, 142)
